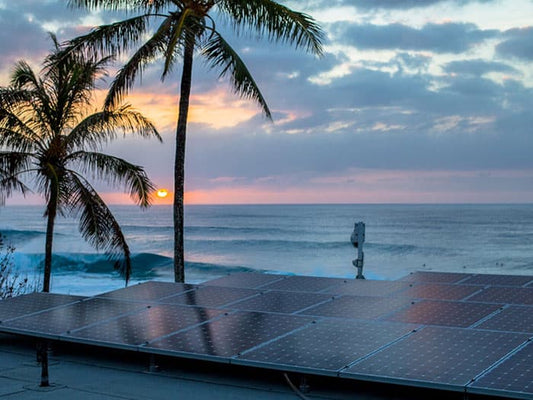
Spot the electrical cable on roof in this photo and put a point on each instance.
(294, 388)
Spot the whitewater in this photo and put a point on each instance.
(294, 239)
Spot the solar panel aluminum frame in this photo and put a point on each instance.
(507, 394)
(182, 354)
(403, 382)
(285, 367)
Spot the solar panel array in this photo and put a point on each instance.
(461, 332)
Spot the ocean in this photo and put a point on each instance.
(293, 239)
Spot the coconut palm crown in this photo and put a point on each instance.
(49, 143)
(182, 28)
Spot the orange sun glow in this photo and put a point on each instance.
(162, 193)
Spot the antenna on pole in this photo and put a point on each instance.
(357, 239)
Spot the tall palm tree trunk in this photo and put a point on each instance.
(179, 163)
(51, 211)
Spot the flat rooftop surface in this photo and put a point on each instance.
(436, 331)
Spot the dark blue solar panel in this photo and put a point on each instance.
(511, 319)
(281, 302)
(436, 277)
(438, 291)
(509, 295)
(328, 345)
(367, 287)
(303, 283)
(437, 357)
(152, 290)
(31, 303)
(210, 296)
(365, 307)
(73, 316)
(146, 325)
(228, 336)
(499, 280)
(444, 313)
(250, 280)
(512, 378)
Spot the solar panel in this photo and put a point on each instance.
(447, 313)
(512, 378)
(146, 325)
(281, 302)
(436, 277)
(62, 319)
(326, 346)
(367, 287)
(365, 307)
(499, 280)
(152, 290)
(303, 283)
(511, 319)
(227, 336)
(509, 295)
(438, 291)
(437, 357)
(34, 302)
(210, 296)
(250, 280)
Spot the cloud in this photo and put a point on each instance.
(478, 67)
(438, 38)
(405, 4)
(519, 44)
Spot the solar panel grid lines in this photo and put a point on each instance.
(499, 280)
(505, 294)
(148, 291)
(367, 287)
(489, 316)
(61, 320)
(327, 346)
(438, 357)
(446, 313)
(354, 329)
(250, 280)
(511, 377)
(281, 301)
(512, 318)
(300, 283)
(227, 337)
(358, 307)
(436, 277)
(439, 291)
(211, 296)
(146, 325)
(20, 306)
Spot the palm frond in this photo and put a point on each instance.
(13, 164)
(122, 5)
(98, 225)
(221, 55)
(101, 127)
(125, 78)
(276, 21)
(111, 39)
(176, 36)
(116, 171)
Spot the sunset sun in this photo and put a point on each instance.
(162, 193)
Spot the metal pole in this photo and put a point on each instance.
(42, 357)
(357, 239)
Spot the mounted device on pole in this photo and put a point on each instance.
(357, 239)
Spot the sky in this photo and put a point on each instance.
(413, 101)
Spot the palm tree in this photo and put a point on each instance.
(48, 139)
(183, 26)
